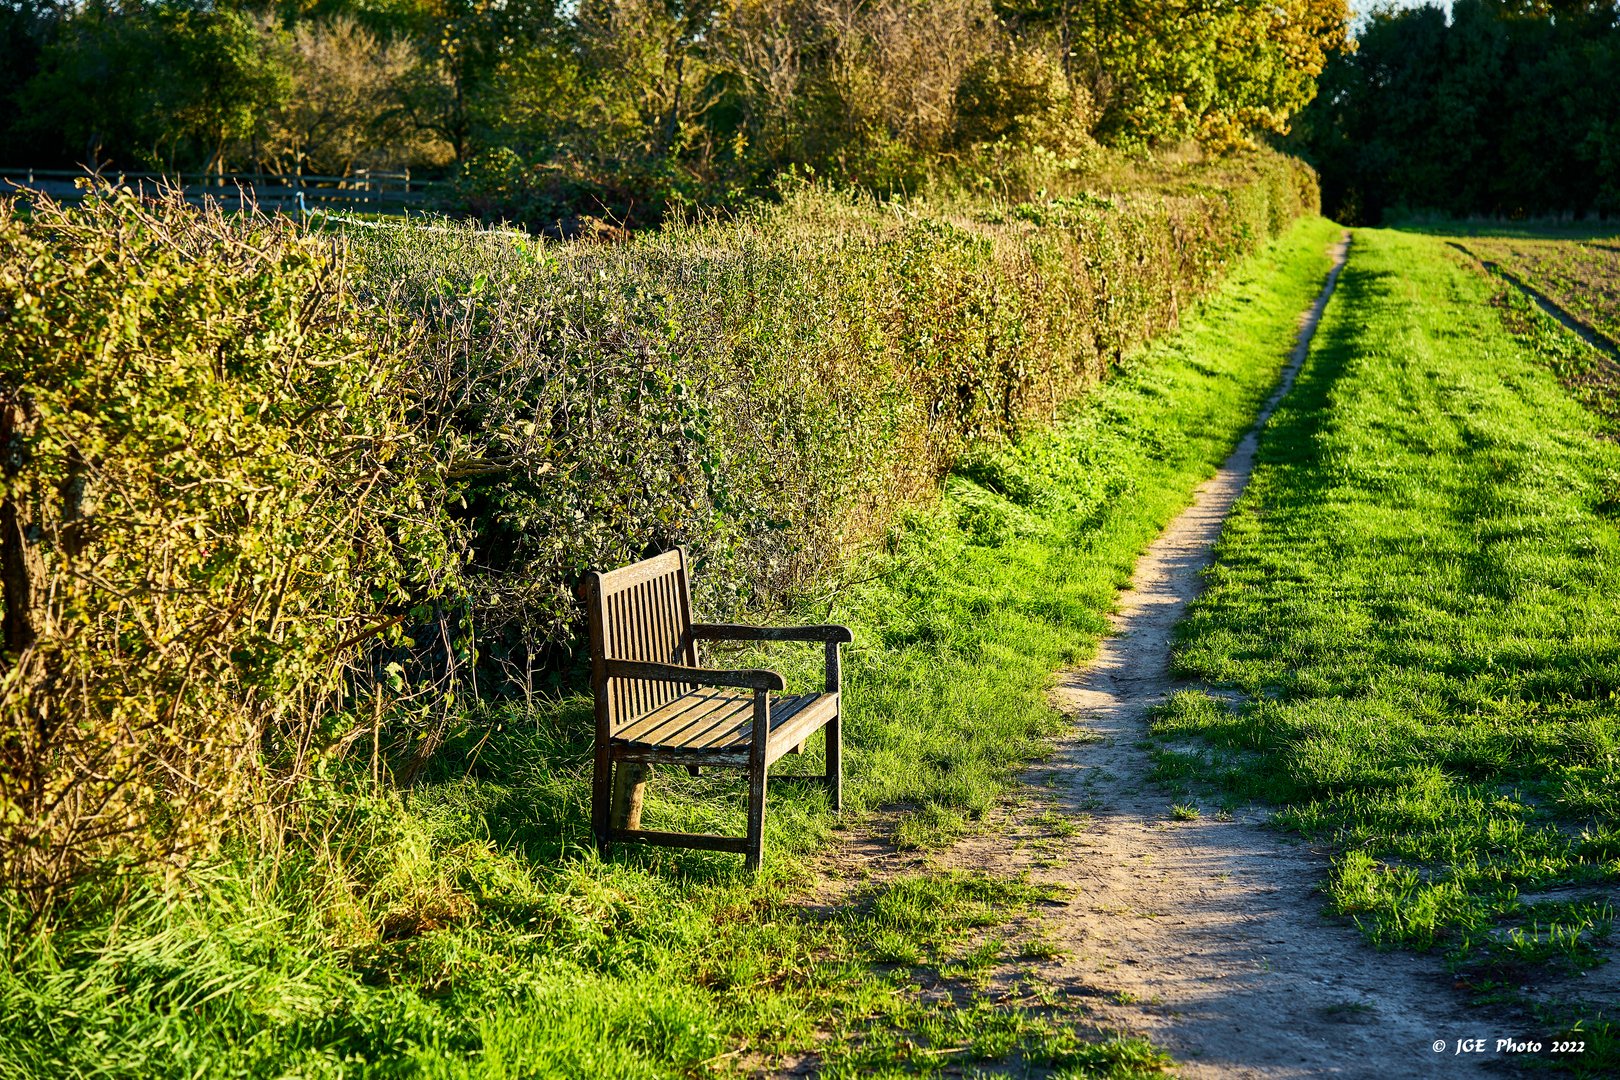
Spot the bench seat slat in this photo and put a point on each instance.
(723, 720)
(799, 725)
(697, 708)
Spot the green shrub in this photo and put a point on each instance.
(1022, 96)
(212, 492)
(771, 388)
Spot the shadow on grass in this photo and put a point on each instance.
(1518, 230)
(520, 776)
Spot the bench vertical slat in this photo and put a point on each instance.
(659, 627)
(645, 596)
(621, 689)
(684, 598)
(638, 646)
(667, 634)
(668, 628)
(639, 650)
(674, 644)
(634, 651)
(649, 639)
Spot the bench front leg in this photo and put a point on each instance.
(601, 797)
(835, 733)
(756, 782)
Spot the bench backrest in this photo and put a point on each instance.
(640, 612)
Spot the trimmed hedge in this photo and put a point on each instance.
(269, 497)
(210, 490)
(770, 389)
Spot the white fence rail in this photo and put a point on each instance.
(366, 191)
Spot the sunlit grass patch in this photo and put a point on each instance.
(1417, 601)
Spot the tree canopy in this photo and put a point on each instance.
(1510, 107)
(552, 102)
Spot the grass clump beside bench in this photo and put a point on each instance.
(465, 930)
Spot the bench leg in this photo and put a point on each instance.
(756, 818)
(629, 789)
(601, 800)
(835, 764)
(835, 733)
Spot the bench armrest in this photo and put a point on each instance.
(739, 632)
(744, 678)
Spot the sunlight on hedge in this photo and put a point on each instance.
(211, 484)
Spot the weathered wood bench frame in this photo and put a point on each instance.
(656, 705)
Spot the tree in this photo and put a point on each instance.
(169, 85)
(1161, 71)
(229, 73)
(463, 46)
(1021, 95)
(343, 105)
(1507, 108)
(27, 27)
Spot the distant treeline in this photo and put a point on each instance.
(629, 107)
(1512, 108)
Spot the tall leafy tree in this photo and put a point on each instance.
(1508, 107)
(343, 109)
(171, 84)
(27, 28)
(465, 45)
(1169, 70)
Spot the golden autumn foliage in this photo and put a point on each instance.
(211, 491)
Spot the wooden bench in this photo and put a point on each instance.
(656, 705)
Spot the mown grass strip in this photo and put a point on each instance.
(1418, 595)
(467, 931)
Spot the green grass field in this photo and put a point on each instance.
(465, 929)
(1417, 597)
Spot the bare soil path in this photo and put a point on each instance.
(1207, 935)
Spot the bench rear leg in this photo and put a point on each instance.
(629, 790)
(601, 800)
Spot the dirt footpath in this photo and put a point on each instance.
(1206, 935)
